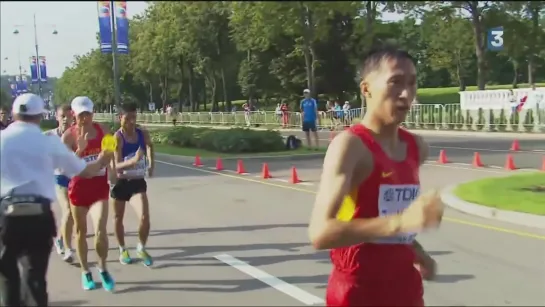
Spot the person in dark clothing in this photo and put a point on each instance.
(4, 118)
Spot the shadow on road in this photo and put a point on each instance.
(168, 232)
(67, 303)
(225, 285)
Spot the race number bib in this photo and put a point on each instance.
(394, 199)
(92, 158)
(139, 170)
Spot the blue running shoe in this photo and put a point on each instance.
(59, 246)
(108, 282)
(87, 281)
(145, 257)
(124, 257)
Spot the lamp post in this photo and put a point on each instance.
(16, 32)
(115, 69)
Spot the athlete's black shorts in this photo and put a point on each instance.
(125, 189)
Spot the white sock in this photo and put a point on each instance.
(140, 247)
(121, 249)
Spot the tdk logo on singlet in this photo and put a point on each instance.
(402, 194)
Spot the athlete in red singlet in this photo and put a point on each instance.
(368, 208)
(89, 193)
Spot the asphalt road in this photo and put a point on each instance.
(461, 149)
(200, 216)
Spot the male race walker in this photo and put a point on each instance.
(89, 195)
(63, 242)
(131, 185)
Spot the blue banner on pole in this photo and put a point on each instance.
(24, 85)
(105, 26)
(122, 26)
(43, 70)
(33, 70)
(13, 88)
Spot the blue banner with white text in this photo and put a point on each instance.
(105, 26)
(33, 70)
(42, 70)
(122, 26)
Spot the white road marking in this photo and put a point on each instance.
(266, 278)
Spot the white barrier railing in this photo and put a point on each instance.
(501, 99)
(421, 116)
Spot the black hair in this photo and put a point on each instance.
(5, 109)
(375, 57)
(64, 107)
(128, 107)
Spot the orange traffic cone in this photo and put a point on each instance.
(197, 161)
(510, 163)
(543, 165)
(219, 165)
(265, 172)
(515, 146)
(442, 157)
(294, 178)
(240, 167)
(477, 160)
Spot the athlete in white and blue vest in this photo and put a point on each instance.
(134, 159)
(63, 243)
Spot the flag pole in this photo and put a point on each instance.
(117, 93)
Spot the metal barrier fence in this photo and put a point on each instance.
(421, 116)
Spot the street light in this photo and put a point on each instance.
(16, 32)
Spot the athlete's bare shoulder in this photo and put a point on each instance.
(423, 147)
(68, 137)
(349, 153)
(105, 128)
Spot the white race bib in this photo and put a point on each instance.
(92, 158)
(394, 199)
(138, 170)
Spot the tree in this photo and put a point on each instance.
(205, 54)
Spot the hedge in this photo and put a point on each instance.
(235, 140)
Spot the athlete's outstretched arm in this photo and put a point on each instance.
(345, 155)
(150, 151)
(118, 156)
(111, 167)
(424, 152)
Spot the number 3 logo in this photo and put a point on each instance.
(497, 38)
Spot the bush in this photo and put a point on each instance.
(48, 124)
(236, 140)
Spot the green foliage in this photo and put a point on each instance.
(48, 124)
(236, 140)
(205, 55)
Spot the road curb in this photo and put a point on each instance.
(523, 219)
(298, 157)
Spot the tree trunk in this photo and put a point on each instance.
(476, 20)
(534, 8)
(226, 100)
(515, 74)
(190, 87)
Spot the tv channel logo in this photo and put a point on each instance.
(495, 39)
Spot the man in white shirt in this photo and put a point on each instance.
(28, 159)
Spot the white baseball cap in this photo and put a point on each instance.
(82, 104)
(28, 104)
(305, 91)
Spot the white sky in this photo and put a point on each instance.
(76, 23)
